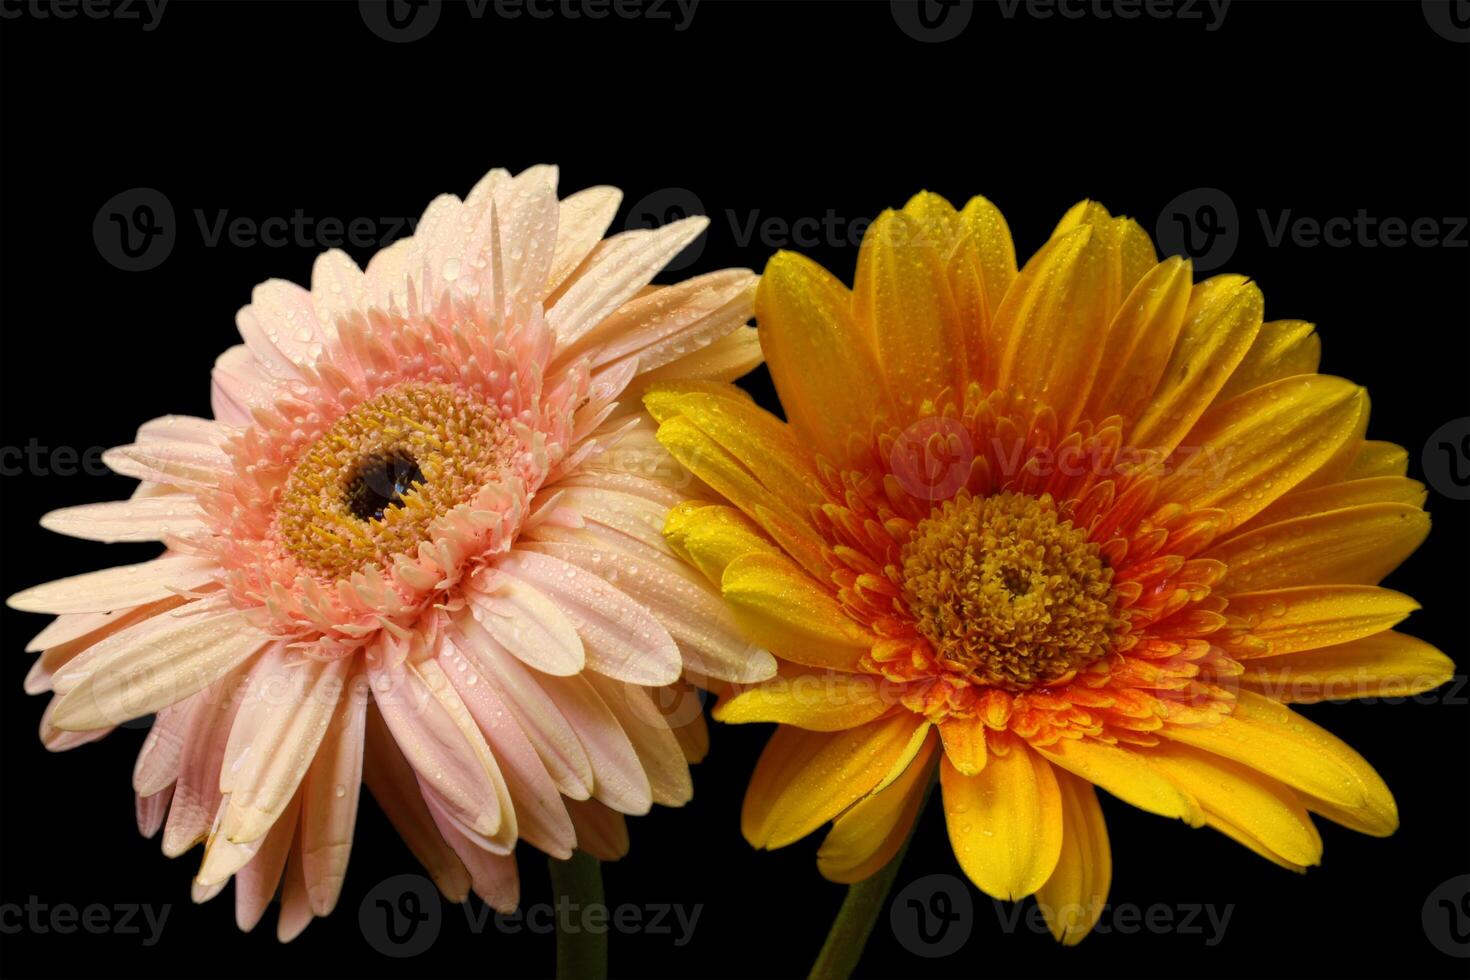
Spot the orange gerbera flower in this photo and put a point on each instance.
(1089, 524)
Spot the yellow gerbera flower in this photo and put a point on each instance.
(1089, 524)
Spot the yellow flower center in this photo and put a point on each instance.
(373, 484)
(1006, 592)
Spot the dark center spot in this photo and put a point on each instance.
(381, 482)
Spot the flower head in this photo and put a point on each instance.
(416, 546)
(1083, 524)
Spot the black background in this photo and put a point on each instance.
(764, 110)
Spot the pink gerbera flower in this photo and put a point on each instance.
(418, 546)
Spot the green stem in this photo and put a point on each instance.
(580, 953)
(854, 922)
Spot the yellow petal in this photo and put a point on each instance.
(710, 536)
(1124, 773)
(783, 609)
(1318, 615)
(1246, 453)
(727, 476)
(1077, 891)
(936, 219)
(1376, 458)
(869, 834)
(981, 269)
(1133, 254)
(1352, 546)
(761, 442)
(1048, 325)
(813, 777)
(1257, 806)
(1274, 740)
(1139, 341)
(1005, 822)
(804, 318)
(1387, 664)
(1223, 319)
(983, 224)
(1283, 348)
(901, 294)
(822, 701)
(1336, 496)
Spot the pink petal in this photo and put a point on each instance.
(534, 711)
(528, 624)
(287, 708)
(118, 588)
(540, 814)
(391, 780)
(621, 638)
(439, 738)
(330, 796)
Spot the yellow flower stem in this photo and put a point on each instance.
(860, 910)
(581, 954)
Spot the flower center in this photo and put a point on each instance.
(1007, 593)
(373, 484)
